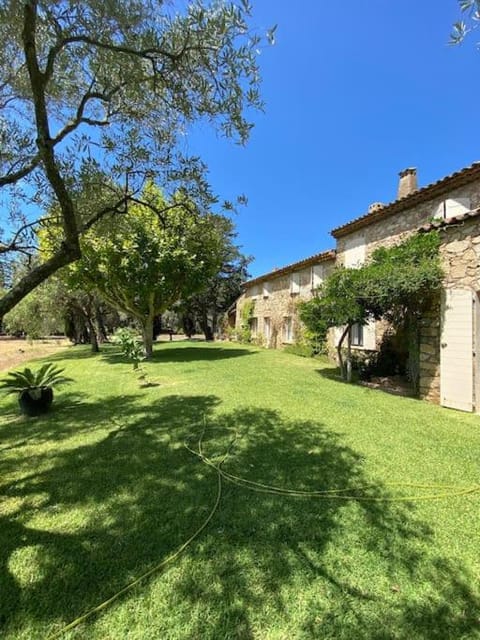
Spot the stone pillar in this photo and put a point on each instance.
(429, 379)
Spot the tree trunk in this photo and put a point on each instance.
(147, 335)
(188, 325)
(99, 324)
(413, 362)
(349, 355)
(339, 352)
(93, 336)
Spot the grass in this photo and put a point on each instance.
(102, 488)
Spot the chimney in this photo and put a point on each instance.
(375, 206)
(407, 183)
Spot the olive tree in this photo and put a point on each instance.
(104, 92)
(469, 22)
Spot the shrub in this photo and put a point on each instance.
(300, 349)
(130, 345)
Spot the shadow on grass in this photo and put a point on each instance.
(74, 352)
(182, 354)
(85, 516)
(333, 374)
(163, 352)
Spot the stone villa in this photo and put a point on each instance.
(450, 334)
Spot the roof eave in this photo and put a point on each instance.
(457, 179)
(326, 256)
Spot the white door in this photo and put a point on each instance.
(456, 352)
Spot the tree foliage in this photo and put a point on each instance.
(143, 264)
(101, 94)
(397, 283)
(470, 21)
(39, 314)
(207, 307)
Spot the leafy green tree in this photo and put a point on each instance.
(143, 264)
(398, 283)
(38, 314)
(102, 93)
(207, 307)
(338, 303)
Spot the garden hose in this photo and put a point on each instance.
(448, 491)
(151, 571)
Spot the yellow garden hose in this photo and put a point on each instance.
(158, 567)
(446, 491)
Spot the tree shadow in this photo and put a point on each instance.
(90, 516)
(333, 374)
(184, 354)
(74, 352)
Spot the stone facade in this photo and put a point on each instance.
(276, 296)
(429, 356)
(393, 229)
(452, 205)
(460, 258)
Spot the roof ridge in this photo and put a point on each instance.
(422, 194)
(320, 257)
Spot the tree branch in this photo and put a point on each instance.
(12, 245)
(11, 178)
(35, 277)
(44, 141)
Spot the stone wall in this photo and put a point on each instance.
(277, 302)
(393, 229)
(460, 258)
(430, 354)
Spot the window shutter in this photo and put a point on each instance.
(317, 275)
(266, 328)
(439, 212)
(456, 207)
(295, 283)
(354, 255)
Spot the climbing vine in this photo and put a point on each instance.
(246, 314)
(397, 283)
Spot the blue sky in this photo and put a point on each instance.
(355, 91)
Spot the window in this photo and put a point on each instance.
(295, 283)
(267, 328)
(287, 329)
(356, 335)
(267, 289)
(254, 326)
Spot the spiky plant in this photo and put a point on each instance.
(34, 381)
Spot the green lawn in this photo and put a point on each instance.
(103, 488)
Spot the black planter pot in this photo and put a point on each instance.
(34, 402)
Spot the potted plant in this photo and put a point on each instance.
(35, 389)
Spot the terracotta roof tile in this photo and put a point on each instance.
(325, 256)
(455, 220)
(457, 179)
